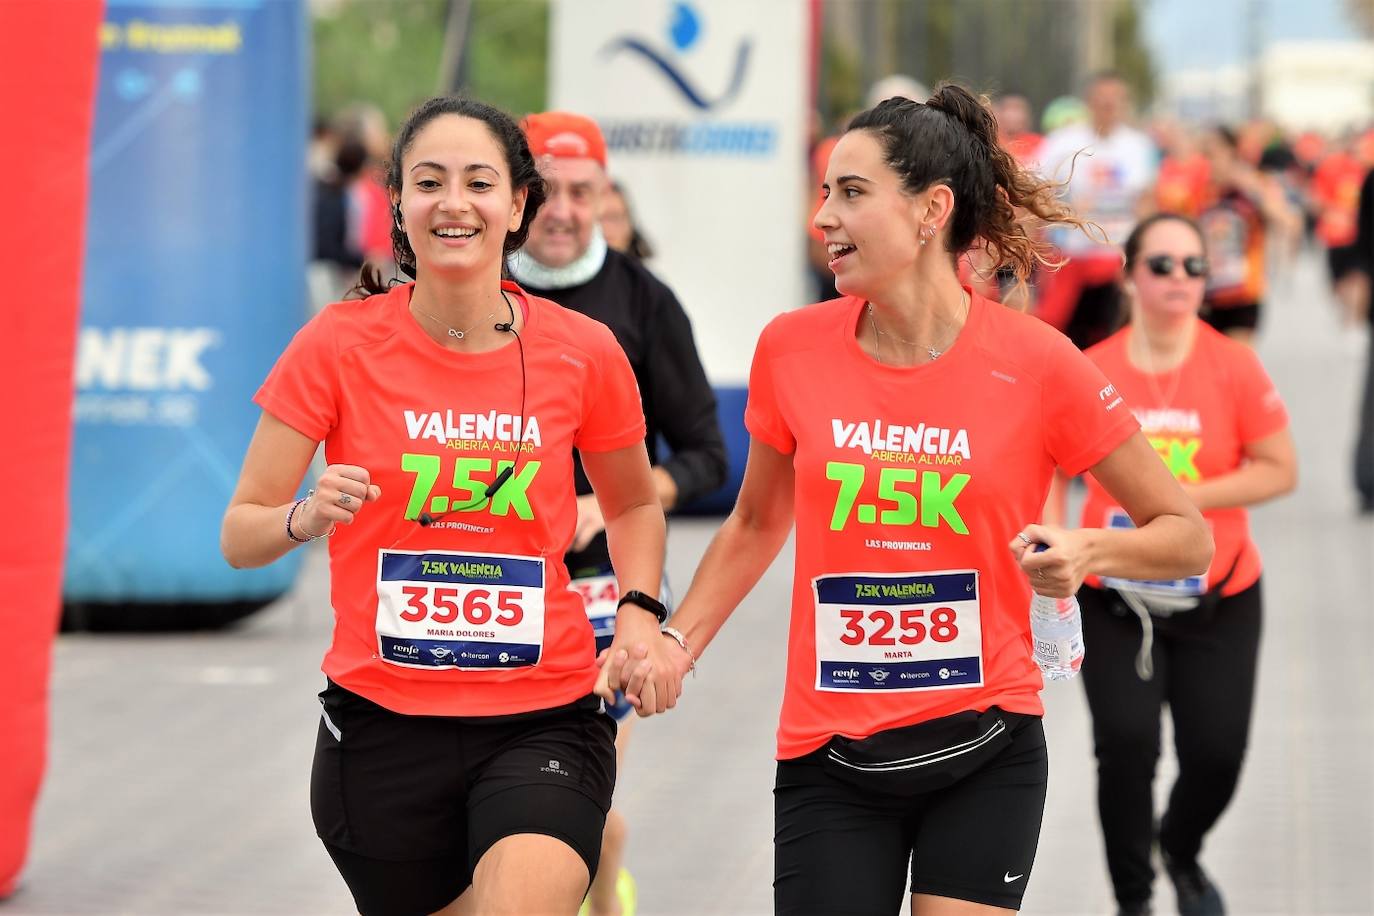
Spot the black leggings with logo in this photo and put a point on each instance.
(1204, 669)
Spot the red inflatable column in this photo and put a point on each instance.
(48, 56)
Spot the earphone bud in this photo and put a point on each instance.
(426, 519)
(500, 479)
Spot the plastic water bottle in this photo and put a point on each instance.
(1057, 634)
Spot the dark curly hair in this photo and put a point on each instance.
(518, 158)
(952, 138)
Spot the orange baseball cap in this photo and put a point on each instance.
(564, 135)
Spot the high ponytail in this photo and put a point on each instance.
(952, 139)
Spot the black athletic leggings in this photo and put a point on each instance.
(1204, 668)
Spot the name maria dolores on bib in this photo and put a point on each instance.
(445, 425)
(901, 443)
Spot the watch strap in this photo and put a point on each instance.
(647, 602)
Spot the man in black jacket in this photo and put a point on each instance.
(567, 260)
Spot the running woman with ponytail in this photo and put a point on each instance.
(910, 430)
(462, 763)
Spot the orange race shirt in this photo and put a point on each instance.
(1336, 187)
(471, 616)
(1182, 184)
(1024, 148)
(1199, 418)
(1233, 229)
(907, 604)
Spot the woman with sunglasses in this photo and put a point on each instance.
(1211, 412)
(461, 753)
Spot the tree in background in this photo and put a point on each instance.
(389, 53)
(1040, 48)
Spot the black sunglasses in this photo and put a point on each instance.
(1161, 265)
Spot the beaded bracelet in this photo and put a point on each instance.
(291, 514)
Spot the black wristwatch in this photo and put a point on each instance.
(650, 604)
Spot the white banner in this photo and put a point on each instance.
(703, 105)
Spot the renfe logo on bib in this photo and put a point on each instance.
(903, 631)
(469, 611)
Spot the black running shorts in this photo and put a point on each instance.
(407, 805)
(838, 850)
(1342, 260)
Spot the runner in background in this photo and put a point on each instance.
(619, 226)
(1184, 173)
(1363, 310)
(1308, 148)
(1015, 134)
(567, 260)
(1336, 193)
(1243, 206)
(1108, 171)
(369, 207)
(460, 751)
(817, 256)
(1014, 121)
(334, 263)
(1061, 112)
(1279, 164)
(910, 637)
(1215, 419)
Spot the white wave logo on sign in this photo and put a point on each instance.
(670, 65)
(709, 135)
(142, 376)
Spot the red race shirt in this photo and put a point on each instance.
(1336, 186)
(1199, 418)
(907, 604)
(1182, 186)
(471, 616)
(1024, 148)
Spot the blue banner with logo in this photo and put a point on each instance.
(193, 283)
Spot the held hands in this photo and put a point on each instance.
(1058, 571)
(643, 663)
(590, 522)
(339, 494)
